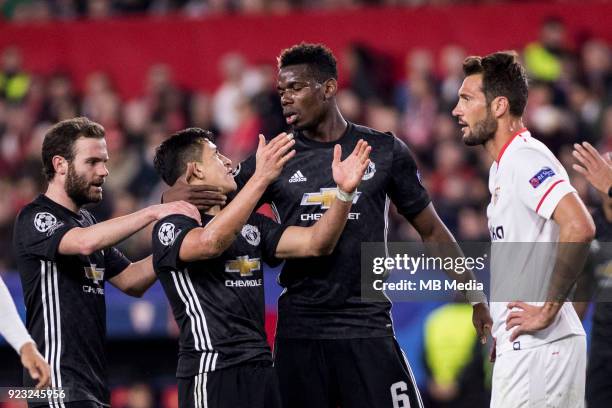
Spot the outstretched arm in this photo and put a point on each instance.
(136, 278)
(215, 237)
(85, 241)
(322, 237)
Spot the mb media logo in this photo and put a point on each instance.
(93, 273)
(324, 198)
(243, 265)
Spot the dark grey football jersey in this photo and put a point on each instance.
(322, 296)
(64, 298)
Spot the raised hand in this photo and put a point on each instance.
(348, 172)
(596, 168)
(177, 207)
(271, 157)
(202, 196)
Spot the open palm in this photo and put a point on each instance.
(348, 172)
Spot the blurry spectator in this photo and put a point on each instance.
(597, 69)
(14, 82)
(454, 358)
(544, 58)
(266, 103)
(201, 112)
(451, 65)
(419, 114)
(60, 102)
(165, 101)
(99, 9)
(139, 396)
(586, 111)
(418, 65)
(241, 142)
(229, 94)
(369, 75)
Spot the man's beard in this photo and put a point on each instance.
(78, 188)
(482, 131)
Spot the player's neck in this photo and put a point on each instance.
(213, 210)
(57, 193)
(506, 131)
(330, 129)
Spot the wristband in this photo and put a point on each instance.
(344, 196)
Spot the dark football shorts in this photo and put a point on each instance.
(345, 373)
(244, 386)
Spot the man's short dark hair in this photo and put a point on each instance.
(60, 139)
(181, 148)
(502, 75)
(317, 57)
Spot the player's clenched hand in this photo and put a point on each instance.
(528, 319)
(597, 169)
(272, 156)
(202, 196)
(481, 318)
(348, 172)
(177, 207)
(35, 364)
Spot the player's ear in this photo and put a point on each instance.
(499, 106)
(198, 170)
(330, 87)
(60, 164)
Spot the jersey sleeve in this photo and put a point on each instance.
(168, 235)
(40, 232)
(114, 262)
(405, 188)
(271, 233)
(539, 181)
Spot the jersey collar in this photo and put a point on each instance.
(504, 147)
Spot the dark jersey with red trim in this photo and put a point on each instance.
(218, 303)
(64, 299)
(322, 296)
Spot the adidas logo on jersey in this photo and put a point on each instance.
(297, 177)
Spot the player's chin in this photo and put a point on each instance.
(230, 186)
(95, 197)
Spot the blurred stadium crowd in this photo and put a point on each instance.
(570, 101)
(46, 10)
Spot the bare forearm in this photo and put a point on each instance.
(219, 233)
(137, 278)
(326, 232)
(572, 252)
(85, 241)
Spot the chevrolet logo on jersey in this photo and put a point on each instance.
(93, 273)
(243, 265)
(324, 198)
